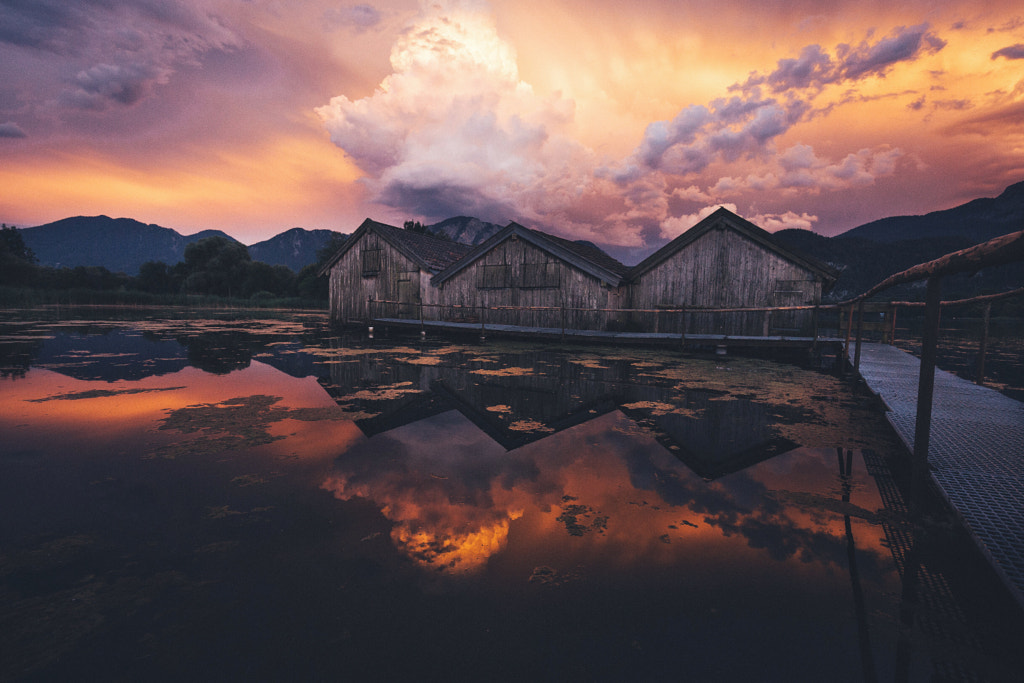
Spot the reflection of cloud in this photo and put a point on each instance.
(617, 496)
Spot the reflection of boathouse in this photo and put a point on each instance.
(713, 433)
(531, 279)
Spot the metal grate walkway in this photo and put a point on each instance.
(976, 451)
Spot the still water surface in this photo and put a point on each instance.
(228, 498)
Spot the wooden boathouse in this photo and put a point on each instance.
(522, 270)
(725, 261)
(380, 262)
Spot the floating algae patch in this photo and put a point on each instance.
(420, 360)
(384, 393)
(529, 426)
(581, 519)
(98, 393)
(236, 423)
(503, 372)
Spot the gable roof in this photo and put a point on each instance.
(585, 257)
(725, 218)
(429, 253)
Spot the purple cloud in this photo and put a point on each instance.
(1011, 52)
(11, 130)
(904, 44)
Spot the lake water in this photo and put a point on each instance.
(260, 498)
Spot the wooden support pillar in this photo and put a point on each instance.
(860, 335)
(892, 324)
(984, 345)
(682, 326)
(925, 391)
(483, 324)
(562, 311)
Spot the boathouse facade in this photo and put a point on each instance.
(725, 261)
(557, 282)
(382, 263)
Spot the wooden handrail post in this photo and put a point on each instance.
(849, 332)
(925, 391)
(814, 329)
(984, 345)
(860, 335)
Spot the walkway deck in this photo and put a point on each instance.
(976, 451)
(663, 338)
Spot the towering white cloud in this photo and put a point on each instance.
(454, 129)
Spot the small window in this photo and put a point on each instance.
(496, 276)
(540, 275)
(372, 261)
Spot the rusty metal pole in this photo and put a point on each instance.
(984, 345)
(925, 391)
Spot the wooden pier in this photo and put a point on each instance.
(608, 337)
(975, 454)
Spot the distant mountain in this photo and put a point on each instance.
(465, 229)
(123, 244)
(978, 221)
(295, 248)
(868, 254)
(118, 244)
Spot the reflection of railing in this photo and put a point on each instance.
(663, 320)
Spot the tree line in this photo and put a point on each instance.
(213, 266)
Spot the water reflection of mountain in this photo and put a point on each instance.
(116, 354)
(528, 396)
(111, 355)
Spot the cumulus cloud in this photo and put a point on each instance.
(122, 50)
(674, 226)
(1010, 52)
(454, 130)
(11, 130)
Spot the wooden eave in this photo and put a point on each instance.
(537, 239)
(725, 218)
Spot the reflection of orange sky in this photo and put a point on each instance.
(442, 521)
(27, 422)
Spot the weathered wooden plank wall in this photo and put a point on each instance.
(516, 273)
(396, 278)
(723, 269)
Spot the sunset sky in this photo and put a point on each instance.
(619, 122)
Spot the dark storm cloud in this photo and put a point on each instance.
(1011, 52)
